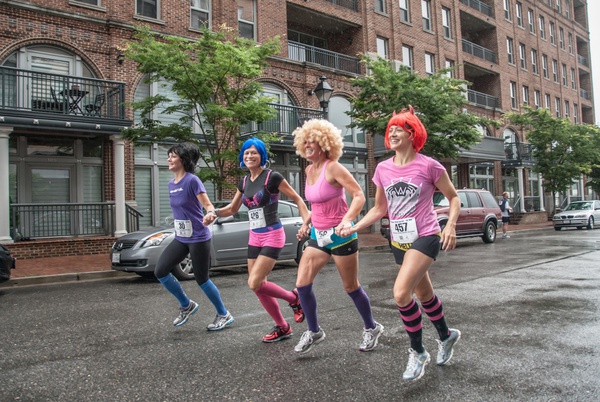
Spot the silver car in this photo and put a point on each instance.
(139, 251)
(579, 214)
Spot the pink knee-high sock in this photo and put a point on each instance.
(276, 291)
(271, 306)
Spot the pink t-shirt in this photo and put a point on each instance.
(328, 203)
(409, 190)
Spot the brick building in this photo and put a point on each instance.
(66, 174)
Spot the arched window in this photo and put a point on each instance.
(338, 115)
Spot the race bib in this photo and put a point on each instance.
(324, 236)
(183, 228)
(257, 218)
(404, 230)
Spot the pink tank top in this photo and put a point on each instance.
(328, 203)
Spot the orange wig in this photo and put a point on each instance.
(409, 123)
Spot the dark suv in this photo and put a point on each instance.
(480, 215)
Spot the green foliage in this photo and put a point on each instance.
(438, 99)
(594, 179)
(215, 80)
(563, 150)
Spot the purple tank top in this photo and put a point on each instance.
(328, 203)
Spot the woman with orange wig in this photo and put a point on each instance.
(405, 186)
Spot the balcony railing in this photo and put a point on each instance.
(478, 5)
(478, 51)
(32, 221)
(481, 99)
(518, 154)
(585, 94)
(351, 4)
(55, 95)
(583, 60)
(300, 52)
(288, 118)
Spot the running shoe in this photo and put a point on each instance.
(445, 350)
(220, 322)
(416, 365)
(308, 340)
(370, 338)
(278, 334)
(185, 313)
(298, 312)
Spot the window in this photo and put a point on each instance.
(247, 18)
(450, 65)
(559, 6)
(567, 108)
(531, 21)
(534, 61)
(199, 13)
(552, 32)
(570, 38)
(575, 113)
(404, 11)
(536, 99)
(545, 66)
(542, 27)
(547, 101)
(513, 94)
(525, 95)
(561, 38)
(92, 2)
(446, 23)
(382, 47)
(564, 75)
(426, 12)
(339, 108)
(555, 70)
(429, 63)
(510, 50)
(507, 9)
(523, 56)
(573, 81)
(407, 56)
(519, 13)
(568, 9)
(557, 106)
(147, 8)
(380, 6)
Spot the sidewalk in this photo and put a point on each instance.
(97, 266)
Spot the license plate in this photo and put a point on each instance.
(567, 222)
(116, 258)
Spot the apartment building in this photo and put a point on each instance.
(66, 174)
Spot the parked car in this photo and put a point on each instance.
(480, 215)
(139, 251)
(578, 214)
(7, 262)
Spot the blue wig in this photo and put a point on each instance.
(260, 147)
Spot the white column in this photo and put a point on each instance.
(4, 186)
(119, 161)
(582, 188)
(541, 192)
(521, 188)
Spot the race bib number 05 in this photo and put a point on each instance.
(404, 230)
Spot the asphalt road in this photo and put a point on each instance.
(527, 308)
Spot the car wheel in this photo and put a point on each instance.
(557, 229)
(184, 270)
(590, 224)
(301, 247)
(489, 234)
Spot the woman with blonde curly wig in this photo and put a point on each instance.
(320, 143)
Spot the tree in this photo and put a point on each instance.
(439, 100)
(214, 78)
(563, 151)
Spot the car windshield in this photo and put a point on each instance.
(579, 206)
(439, 200)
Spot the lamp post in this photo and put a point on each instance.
(323, 92)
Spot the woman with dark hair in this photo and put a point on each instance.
(187, 196)
(405, 186)
(259, 191)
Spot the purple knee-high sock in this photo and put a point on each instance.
(363, 305)
(308, 300)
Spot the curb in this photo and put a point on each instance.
(63, 278)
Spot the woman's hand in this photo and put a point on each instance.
(344, 229)
(303, 232)
(448, 239)
(209, 218)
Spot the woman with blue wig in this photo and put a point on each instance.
(259, 191)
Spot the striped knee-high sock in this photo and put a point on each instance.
(435, 312)
(411, 316)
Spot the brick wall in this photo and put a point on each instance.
(60, 247)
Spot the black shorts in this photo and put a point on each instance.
(348, 248)
(271, 252)
(428, 245)
(506, 219)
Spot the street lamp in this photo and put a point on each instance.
(323, 92)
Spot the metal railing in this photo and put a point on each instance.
(532, 203)
(32, 91)
(351, 4)
(478, 5)
(478, 51)
(288, 118)
(31, 221)
(585, 94)
(583, 60)
(481, 99)
(518, 151)
(300, 52)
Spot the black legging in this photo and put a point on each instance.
(177, 251)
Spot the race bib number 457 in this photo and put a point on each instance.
(404, 230)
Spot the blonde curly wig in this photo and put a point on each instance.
(324, 133)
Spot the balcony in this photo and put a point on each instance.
(585, 94)
(481, 99)
(300, 52)
(349, 4)
(55, 100)
(583, 61)
(518, 154)
(479, 6)
(479, 51)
